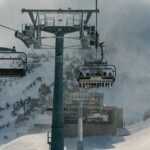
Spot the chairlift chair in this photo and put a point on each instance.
(96, 75)
(19, 58)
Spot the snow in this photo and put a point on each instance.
(138, 140)
(139, 126)
(131, 90)
(18, 90)
(29, 142)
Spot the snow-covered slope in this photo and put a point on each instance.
(15, 91)
(139, 138)
(136, 141)
(29, 142)
(24, 100)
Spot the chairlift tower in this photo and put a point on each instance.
(31, 35)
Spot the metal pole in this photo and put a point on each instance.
(57, 142)
(96, 13)
(81, 26)
(80, 127)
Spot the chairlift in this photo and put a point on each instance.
(13, 64)
(96, 75)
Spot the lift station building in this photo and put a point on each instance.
(98, 119)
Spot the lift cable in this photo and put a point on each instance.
(97, 44)
(8, 27)
(43, 67)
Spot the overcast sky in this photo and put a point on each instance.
(124, 26)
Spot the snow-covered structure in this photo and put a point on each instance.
(97, 118)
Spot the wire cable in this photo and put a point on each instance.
(8, 27)
(44, 69)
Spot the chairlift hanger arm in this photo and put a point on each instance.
(88, 17)
(32, 18)
(102, 52)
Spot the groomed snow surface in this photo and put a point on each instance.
(139, 139)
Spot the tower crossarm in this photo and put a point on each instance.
(59, 10)
(87, 12)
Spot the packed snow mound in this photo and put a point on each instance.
(139, 126)
(28, 142)
(138, 140)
